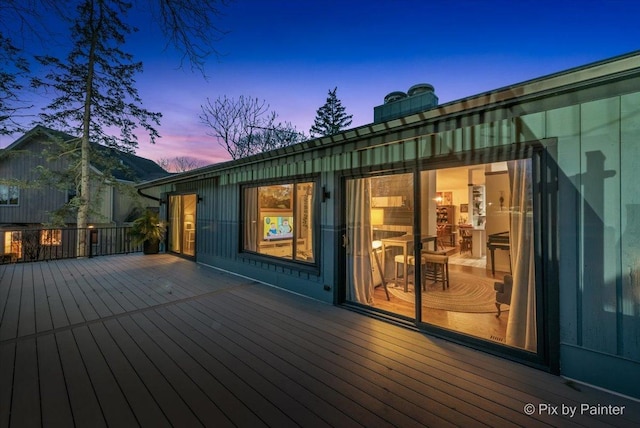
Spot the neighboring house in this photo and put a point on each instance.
(531, 187)
(28, 205)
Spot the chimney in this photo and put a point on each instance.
(420, 97)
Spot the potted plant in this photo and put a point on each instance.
(148, 230)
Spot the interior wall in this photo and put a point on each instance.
(497, 186)
(427, 213)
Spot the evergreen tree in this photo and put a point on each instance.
(95, 95)
(331, 117)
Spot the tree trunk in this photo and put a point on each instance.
(85, 196)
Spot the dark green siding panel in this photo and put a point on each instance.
(600, 154)
(607, 371)
(564, 124)
(630, 229)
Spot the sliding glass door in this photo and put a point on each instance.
(473, 271)
(378, 245)
(182, 224)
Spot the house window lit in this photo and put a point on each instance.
(9, 195)
(279, 220)
(13, 243)
(51, 237)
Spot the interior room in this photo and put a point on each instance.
(465, 225)
(284, 220)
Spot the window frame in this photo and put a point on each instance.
(6, 189)
(312, 266)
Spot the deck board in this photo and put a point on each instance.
(135, 346)
(11, 315)
(156, 341)
(361, 369)
(214, 350)
(27, 319)
(244, 374)
(7, 360)
(128, 298)
(41, 301)
(71, 306)
(6, 275)
(227, 368)
(169, 362)
(359, 394)
(142, 403)
(26, 390)
(56, 410)
(114, 405)
(103, 290)
(514, 383)
(76, 286)
(83, 400)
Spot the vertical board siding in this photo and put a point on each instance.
(34, 203)
(630, 227)
(564, 124)
(600, 152)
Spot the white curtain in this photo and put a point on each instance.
(521, 326)
(359, 269)
(175, 208)
(251, 219)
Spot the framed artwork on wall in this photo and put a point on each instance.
(444, 198)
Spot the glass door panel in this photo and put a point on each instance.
(189, 224)
(379, 243)
(182, 224)
(487, 246)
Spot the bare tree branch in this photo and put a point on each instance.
(246, 126)
(190, 26)
(180, 163)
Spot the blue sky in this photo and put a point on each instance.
(290, 53)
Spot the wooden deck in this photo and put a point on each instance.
(159, 341)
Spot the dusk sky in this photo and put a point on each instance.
(290, 53)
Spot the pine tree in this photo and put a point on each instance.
(96, 94)
(331, 117)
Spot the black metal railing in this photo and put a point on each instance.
(30, 245)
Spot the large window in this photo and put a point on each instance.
(9, 195)
(51, 237)
(279, 220)
(13, 244)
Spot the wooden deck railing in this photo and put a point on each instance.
(30, 245)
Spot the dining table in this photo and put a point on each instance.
(405, 242)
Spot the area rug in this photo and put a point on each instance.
(467, 260)
(466, 293)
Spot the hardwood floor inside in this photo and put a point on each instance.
(482, 325)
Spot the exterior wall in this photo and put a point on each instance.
(125, 200)
(34, 204)
(597, 129)
(101, 203)
(599, 205)
(113, 205)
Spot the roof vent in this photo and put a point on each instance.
(397, 104)
(420, 88)
(394, 96)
